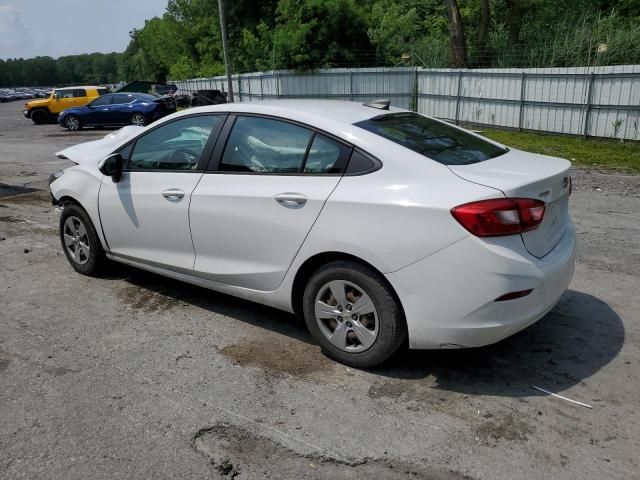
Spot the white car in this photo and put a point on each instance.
(378, 225)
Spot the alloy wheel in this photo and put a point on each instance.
(72, 123)
(138, 119)
(76, 240)
(346, 316)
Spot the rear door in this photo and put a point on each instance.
(267, 185)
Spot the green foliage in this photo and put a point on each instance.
(318, 33)
(93, 68)
(590, 152)
(309, 34)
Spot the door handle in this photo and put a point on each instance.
(173, 194)
(291, 200)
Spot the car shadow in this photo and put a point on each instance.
(571, 343)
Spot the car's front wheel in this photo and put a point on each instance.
(40, 116)
(72, 123)
(80, 241)
(353, 314)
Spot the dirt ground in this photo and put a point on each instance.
(136, 376)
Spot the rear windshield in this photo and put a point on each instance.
(433, 139)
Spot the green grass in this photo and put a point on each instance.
(607, 154)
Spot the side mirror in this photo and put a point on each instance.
(112, 166)
(56, 97)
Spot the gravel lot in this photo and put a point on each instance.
(136, 376)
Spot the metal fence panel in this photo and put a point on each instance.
(589, 101)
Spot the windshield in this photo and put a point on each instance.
(433, 139)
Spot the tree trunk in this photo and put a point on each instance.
(514, 21)
(483, 29)
(456, 35)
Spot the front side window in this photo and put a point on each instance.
(176, 145)
(264, 145)
(102, 101)
(64, 93)
(122, 98)
(433, 139)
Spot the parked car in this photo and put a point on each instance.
(376, 224)
(60, 99)
(201, 98)
(166, 89)
(117, 109)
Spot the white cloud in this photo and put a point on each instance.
(15, 40)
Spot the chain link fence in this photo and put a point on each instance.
(586, 101)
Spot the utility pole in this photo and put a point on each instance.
(227, 66)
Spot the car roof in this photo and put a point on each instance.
(78, 86)
(344, 112)
(147, 96)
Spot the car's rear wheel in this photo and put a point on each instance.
(138, 119)
(72, 123)
(353, 314)
(80, 241)
(40, 116)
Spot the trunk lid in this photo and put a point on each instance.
(528, 175)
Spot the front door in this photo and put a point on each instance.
(250, 216)
(98, 109)
(145, 216)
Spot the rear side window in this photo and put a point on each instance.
(326, 156)
(433, 139)
(102, 91)
(360, 163)
(263, 145)
(80, 92)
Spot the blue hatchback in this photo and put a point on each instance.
(118, 109)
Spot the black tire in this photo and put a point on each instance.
(73, 123)
(40, 116)
(96, 257)
(392, 327)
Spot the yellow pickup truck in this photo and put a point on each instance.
(47, 109)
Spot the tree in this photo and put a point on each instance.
(305, 38)
(483, 27)
(456, 35)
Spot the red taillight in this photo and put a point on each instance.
(500, 216)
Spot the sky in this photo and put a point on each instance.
(55, 28)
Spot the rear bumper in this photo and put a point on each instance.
(449, 297)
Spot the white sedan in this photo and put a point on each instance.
(379, 226)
